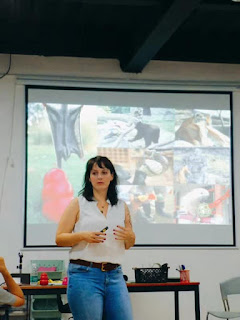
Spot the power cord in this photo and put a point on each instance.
(9, 67)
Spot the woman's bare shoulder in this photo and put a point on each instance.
(72, 208)
(71, 213)
(74, 203)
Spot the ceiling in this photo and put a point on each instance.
(132, 31)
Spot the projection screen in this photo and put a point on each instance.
(172, 151)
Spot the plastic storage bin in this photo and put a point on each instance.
(45, 307)
(54, 275)
(152, 275)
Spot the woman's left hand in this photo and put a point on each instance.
(123, 233)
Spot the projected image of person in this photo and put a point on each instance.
(152, 204)
(154, 168)
(134, 128)
(97, 225)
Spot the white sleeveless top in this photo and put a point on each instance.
(91, 219)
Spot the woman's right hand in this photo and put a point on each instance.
(65, 236)
(93, 237)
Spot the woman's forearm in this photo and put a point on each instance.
(130, 242)
(69, 239)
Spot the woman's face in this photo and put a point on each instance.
(100, 178)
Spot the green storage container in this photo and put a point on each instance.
(54, 275)
(45, 307)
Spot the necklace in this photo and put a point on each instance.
(102, 208)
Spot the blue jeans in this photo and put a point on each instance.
(96, 295)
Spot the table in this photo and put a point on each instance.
(175, 287)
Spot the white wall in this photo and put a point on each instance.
(209, 266)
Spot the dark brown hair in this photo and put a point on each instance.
(87, 190)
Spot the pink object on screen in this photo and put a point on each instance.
(47, 269)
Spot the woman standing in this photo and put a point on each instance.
(97, 225)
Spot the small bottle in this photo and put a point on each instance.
(34, 274)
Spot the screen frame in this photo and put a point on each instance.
(135, 90)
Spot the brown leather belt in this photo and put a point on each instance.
(104, 266)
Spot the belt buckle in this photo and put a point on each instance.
(103, 266)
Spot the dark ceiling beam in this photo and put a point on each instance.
(177, 13)
(129, 3)
(231, 6)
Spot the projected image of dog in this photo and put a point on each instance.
(150, 133)
(198, 130)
